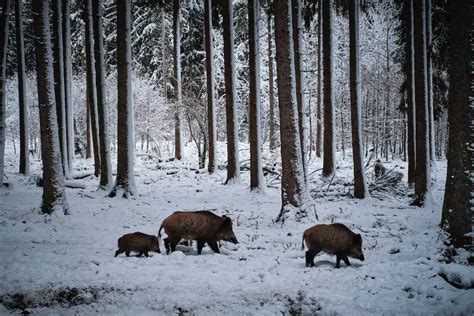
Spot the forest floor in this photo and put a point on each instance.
(66, 265)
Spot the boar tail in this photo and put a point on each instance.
(302, 243)
(159, 232)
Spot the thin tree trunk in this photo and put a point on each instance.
(23, 107)
(233, 164)
(125, 136)
(256, 175)
(102, 106)
(429, 82)
(410, 60)
(91, 84)
(211, 104)
(58, 64)
(318, 106)
(458, 203)
(67, 83)
(300, 99)
(54, 195)
(4, 18)
(271, 97)
(360, 184)
(422, 182)
(329, 143)
(293, 189)
(89, 149)
(178, 146)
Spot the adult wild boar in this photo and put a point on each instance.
(138, 242)
(335, 239)
(202, 226)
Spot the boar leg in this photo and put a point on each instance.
(310, 254)
(214, 246)
(146, 254)
(167, 245)
(201, 244)
(346, 260)
(173, 241)
(119, 252)
(127, 253)
(338, 261)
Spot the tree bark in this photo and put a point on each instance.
(102, 106)
(293, 189)
(329, 144)
(458, 203)
(256, 174)
(164, 54)
(360, 184)
(233, 164)
(422, 181)
(409, 54)
(125, 180)
(429, 82)
(300, 99)
(4, 18)
(318, 95)
(178, 146)
(211, 104)
(92, 84)
(54, 196)
(23, 106)
(58, 64)
(271, 97)
(67, 83)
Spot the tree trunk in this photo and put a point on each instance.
(102, 107)
(458, 204)
(4, 17)
(211, 104)
(318, 95)
(23, 107)
(125, 136)
(429, 82)
(67, 83)
(58, 64)
(271, 97)
(164, 54)
(54, 195)
(256, 175)
(410, 60)
(329, 143)
(88, 129)
(293, 189)
(300, 99)
(233, 164)
(422, 181)
(178, 146)
(360, 184)
(91, 84)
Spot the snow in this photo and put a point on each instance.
(265, 274)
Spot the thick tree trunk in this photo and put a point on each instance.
(211, 103)
(178, 145)
(233, 164)
(256, 175)
(410, 60)
(293, 189)
(300, 99)
(329, 122)
(23, 107)
(360, 184)
(88, 129)
(164, 54)
(271, 97)
(58, 64)
(422, 181)
(318, 94)
(102, 106)
(91, 84)
(54, 196)
(4, 26)
(458, 203)
(67, 83)
(125, 136)
(429, 82)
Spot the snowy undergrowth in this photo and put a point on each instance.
(65, 264)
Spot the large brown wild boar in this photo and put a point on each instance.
(202, 226)
(335, 239)
(138, 242)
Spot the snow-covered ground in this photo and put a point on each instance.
(66, 264)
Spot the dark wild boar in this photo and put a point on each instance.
(334, 239)
(202, 226)
(138, 242)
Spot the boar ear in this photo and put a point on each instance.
(359, 238)
(227, 220)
